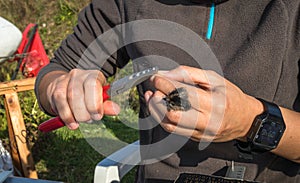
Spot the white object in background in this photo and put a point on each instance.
(115, 166)
(10, 38)
(6, 165)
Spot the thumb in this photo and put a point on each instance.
(111, 108)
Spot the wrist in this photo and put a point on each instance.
(266, 130)
(254, 108)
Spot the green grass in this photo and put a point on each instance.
(63, 155)
(66, 155)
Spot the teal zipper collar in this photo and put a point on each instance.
(211, 21)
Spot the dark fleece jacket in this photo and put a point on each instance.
(256, 43)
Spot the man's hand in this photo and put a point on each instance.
(76, 96)
(219, 112)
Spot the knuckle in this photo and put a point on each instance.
(93, 108)
(182, 67)
(157, 95)
(211, 75)
(76, 75)
(73, 94)
(174, 116)
(82, 118)
(158, 81)
(91, 82)
(215, 79)
(221, 106)
(169, 127)
(74, 72)
(59, 94)
(67, 118)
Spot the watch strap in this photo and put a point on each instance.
(247, 149)
(271, 108)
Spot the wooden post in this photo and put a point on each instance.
(13, 146)
(20, 152)
(17, 86)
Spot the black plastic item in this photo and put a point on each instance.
(200, 178)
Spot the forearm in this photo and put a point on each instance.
(289, 145)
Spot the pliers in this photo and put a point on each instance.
(109, 91)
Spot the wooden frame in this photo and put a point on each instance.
(20, 151)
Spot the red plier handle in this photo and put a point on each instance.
(111, 90)
(56, 122)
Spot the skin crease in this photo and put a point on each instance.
(81, 101)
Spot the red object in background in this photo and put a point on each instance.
(36, 56)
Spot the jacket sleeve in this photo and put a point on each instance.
(294, 42)
(84, 46)
(95, 42)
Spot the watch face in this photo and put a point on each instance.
(269, 133)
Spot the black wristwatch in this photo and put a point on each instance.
(266, 130)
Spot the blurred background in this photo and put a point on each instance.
(62, 155)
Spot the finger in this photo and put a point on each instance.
(50, 91)
(163, 84)
(207, 124)
(59, 102)
(201, 100)
(158, 108)
(110, 108)
(172, 128)
(186, 74)
(191, 119)
(148, 95)
(156, 105)
(198, 97)
(195, 76)
(93, 96)
(187, 122)
(63, 79)
(76, 99)
(193, 134)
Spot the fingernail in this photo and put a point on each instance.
(73, 126)
(96, 117)
(89, 121)
(117, 109)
